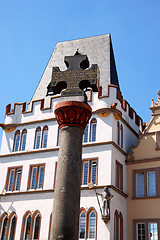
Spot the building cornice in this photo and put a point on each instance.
(57, 148)
(52, 190)
(145, 160)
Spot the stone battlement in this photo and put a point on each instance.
(35, 110)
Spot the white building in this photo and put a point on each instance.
(29, 153)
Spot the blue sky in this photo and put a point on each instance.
(29, 31)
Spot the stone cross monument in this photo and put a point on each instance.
(72, 113)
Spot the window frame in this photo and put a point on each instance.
(37, 166)
(88, 213)
(9, 224)
(118, 225)
(158, 140)
(86, 134)
(89, 161)
(17, 133)
(93, 122)
(119, 178)
(145, 171)
(146, 223)
(32, 225)
(45, 128)
(38, 129)
(121, 136)
(24, 132)
(15, 169)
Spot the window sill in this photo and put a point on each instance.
(146, 197)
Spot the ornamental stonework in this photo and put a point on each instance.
(72, 113)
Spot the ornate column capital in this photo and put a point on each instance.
(73, 113)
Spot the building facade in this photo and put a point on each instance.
(143, 171)
(29, 153)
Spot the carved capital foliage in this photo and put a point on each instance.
(72, 113)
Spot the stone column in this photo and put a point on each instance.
(72, 117)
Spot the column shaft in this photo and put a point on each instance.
(65, 218)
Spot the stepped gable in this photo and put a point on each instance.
(98, 50)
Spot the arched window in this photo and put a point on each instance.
(121, 226)
(8, 226)
(116, 230)
(118, 226)
(118, 133)
(92, 225)
(87, 224)
(31, 226)
(37, 138)
(121, 136)
(27, 227)
(13, 228)
(82, 227)
(23, 140)
(85, 136)
(36, 225)
(16, 141)
(44, 137)
(4, 222)
(93, 127)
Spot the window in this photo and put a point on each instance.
(158, 140)
(146, 229)
(4, 228)
(89, 171)
(121, 136)
(36, 176)
(119, 175)
(140, 231)
(153, 231)
(82, 225)
(88, 222)
(151, 183)
(13, 179)
(31, 226)
(37, 138)
(8, 226)
(118, 133)
(93, 126)
(92, 225)
(16, 141)
(44, 137)
(36, 226)
(85, 136)
(145, 182)
(20, 142)
(118, 226)
(12, 228)
(23, 140)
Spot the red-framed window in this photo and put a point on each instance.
(13, 180)
(8, 226)
(36, 176)
(31, 224)
(89, 171)
(118, 226)
(88, 224)
(119, 175)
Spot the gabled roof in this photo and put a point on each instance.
(98, 50)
